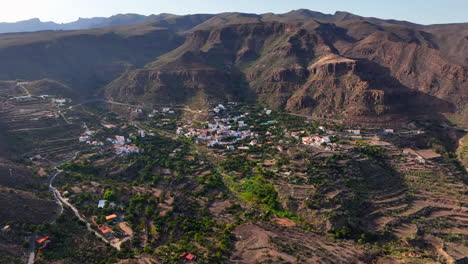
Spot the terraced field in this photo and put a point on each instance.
(432, 212)
(413, 211)
(38, 127)
(270, 243)
(33, 135)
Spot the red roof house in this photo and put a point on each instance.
(190, 257)
(104, 230)
(112, 216)
(42, 240)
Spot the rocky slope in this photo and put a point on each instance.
(349, 68)
(84, 60)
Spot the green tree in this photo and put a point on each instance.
(109, 195)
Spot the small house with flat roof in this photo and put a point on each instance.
(111, 217)
(102, 203)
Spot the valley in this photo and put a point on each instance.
(234, 138)
(239, 167)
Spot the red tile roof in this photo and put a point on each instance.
(103, 229)
(41, 240)
(190, 257)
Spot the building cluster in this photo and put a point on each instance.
(219, 108)
(105, 229)
(121, 145)
(59, 101)
(86, 138)
(225, 131)
(167, 110)
(297, 134)
(22, 98)
(324, 129)
(354, 131)
(164, 111)
(315, 140)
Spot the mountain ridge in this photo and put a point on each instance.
(35, 24)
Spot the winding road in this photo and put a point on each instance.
(61, 201)
(54, 190)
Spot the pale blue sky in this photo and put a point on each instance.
(419, 11)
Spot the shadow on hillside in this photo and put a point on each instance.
(402, 99)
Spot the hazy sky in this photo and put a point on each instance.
(419, 11)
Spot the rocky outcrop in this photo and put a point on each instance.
(334, 86)
(416, 63)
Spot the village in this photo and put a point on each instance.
(233, 132)
(239, 136)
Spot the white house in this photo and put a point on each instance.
(354, 131)
(120, 140)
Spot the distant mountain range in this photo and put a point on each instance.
(35, 24)
(82, 23)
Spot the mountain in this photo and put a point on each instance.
(27, 25)
(82, 23)
(306, 62)
(344, 68)
(300, 15)
(82, 59)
